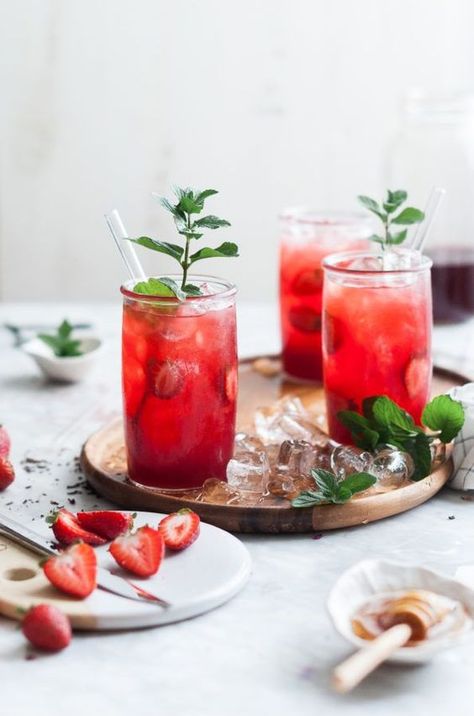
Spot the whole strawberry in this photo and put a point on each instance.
(5, 443)
(7, 473)
(47, 628)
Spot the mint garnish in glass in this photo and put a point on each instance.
(189, 224)
(386, 212)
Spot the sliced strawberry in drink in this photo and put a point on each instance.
(180, 529)
(231, 383)
(305, 318)
(106, 523)
(416, 376)
(165, 377)
(67, 529)
(73, 571)
(307, 282)
(332, 333)
(139, 553)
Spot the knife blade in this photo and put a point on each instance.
(105, 580)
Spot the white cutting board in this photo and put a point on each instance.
(194, 581)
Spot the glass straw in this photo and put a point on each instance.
(431, 210)
(126, 248)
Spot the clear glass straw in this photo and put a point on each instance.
(126, 248)
(431, 210)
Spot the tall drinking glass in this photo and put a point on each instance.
(306, 238)
(376, 333)
(179, 368)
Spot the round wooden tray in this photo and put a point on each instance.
(104, 463)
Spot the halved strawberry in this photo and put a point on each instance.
(7, 473)
(140, 552)
(67, 529)
(180, 529)
(305, 318)
(73, 571)
(106, 523)
(166, 378)
(5, 443)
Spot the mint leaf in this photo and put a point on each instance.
(445, 415)
(211, 222)
(358, 482)
(205, 194)
(419, 449)
(308, 498)
(192, 290)
(409, 216)
(388, 415)
(162, 247)
(62, 345)
(332, 491)
(372, 206)
(224, 250)
(164, 287)
(362, 432)
(398, 238)
(394, 200)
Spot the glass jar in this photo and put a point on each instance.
(179, 372)
(376, 333)
(435, 147)
(306, 238)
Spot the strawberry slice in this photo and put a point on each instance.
(73, 571)
(67, 529)
(140, 552)
(333, 331)
(180, 529)
(305, 318)
(105, 523)
(416, 376)
(166, 378)
(47, 628)
(7, 473)
(5, 443)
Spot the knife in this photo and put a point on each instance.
(105, 580)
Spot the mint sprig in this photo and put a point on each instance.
(185, 213)
(331, 491)
(62, 343)
(386, 213)
(383, 422)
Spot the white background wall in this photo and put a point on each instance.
(273, 102)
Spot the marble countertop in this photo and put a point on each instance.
(271, 648)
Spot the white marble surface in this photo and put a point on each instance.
(270, 649)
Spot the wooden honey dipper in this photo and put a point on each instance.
(404, 620)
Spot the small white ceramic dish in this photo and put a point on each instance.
(70, 369)
(373, 576)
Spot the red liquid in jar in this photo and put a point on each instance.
(180, 389)
(377, 341)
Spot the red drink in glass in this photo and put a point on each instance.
(376, 334)
(179, 368)
(307, 237)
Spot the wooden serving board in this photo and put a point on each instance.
(194, 581)
(261, 383)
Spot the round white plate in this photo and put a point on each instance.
(194, 581)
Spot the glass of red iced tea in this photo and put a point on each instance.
(306, 238)
(179, 367)
(376, 332)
